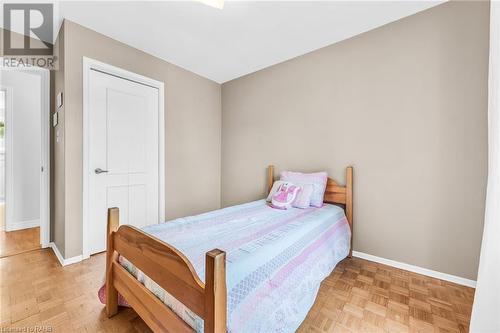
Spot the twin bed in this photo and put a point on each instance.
(261, 267)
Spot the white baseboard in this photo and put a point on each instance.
(417, 269)
(62, 261)
(22, 225)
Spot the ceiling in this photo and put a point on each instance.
(240, 39)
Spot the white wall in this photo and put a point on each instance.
(2, 151)
(25, 204)
(485, 316)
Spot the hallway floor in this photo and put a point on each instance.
(15, 242)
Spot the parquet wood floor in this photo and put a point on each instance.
(363, 296)
(359, 296)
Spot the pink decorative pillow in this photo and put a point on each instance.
(303, 199)
(285, 196)
(276, 186)
(318, 180)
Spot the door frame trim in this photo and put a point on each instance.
(92, 64)
(8, 136)
(44, 153)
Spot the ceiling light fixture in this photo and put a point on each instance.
(219, 4)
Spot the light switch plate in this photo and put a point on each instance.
(59, 99)
(55, 119)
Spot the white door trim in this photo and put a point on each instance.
(45, 160)
(9, 172)
(91, 64)
(44, 155)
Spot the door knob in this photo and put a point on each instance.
(99, 170)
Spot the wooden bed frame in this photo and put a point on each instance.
(173, 272)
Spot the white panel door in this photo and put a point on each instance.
(123, 154)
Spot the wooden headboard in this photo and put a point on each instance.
(334, 194)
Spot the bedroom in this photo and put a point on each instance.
(401, 91)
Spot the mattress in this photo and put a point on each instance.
(276, 260)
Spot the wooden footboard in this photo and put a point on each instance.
(172, 271)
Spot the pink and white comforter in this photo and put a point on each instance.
(276, 260)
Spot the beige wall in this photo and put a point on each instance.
(192, 128)
(57, 171)
(406, 105)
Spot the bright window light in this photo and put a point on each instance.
(213, 3)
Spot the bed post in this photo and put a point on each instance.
(111, 293)
(348, 202)
(270, 178)
(215, 292)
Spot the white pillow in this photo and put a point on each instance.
(303, 199)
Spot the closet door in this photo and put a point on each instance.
(123, 154)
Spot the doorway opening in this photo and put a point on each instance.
(24, 160)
